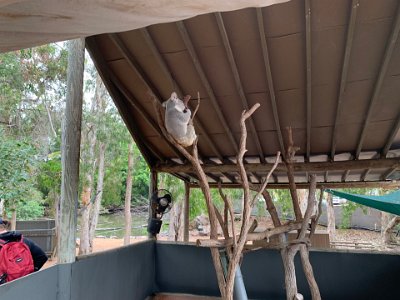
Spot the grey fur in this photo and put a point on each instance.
(178, 121)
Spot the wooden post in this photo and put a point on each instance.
(70, 152)
(186, 213)
(152, 188)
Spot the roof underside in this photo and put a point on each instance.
(328, 69)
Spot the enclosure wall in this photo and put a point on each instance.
(124, 273)
(136, 271)
(340, 275)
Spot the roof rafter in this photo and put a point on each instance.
(345, 175)
(236, 76)
(195, 59)
(382, 73)
(365, 174)
(271, 88)
(388, 173)
(142, 75)
(163, 65)
(391, 137)
(105, 74)
(345, 67)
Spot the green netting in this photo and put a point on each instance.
(389, 203)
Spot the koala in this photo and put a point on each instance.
(178, 120)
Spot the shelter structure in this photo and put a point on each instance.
(330, 70)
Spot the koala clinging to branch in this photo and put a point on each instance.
(178, 120)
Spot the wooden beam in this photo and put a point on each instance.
(365, 174)
(196, 62)
(308, 76)
(174, 85)
(325, 176)
(391, 137)
(297, 167)
(213, 177)
(390, 46)
(153, 187)
(130, 59)
(345, 174)
(271, 88)
(70, 152)
(254, 174)
(150, 153)
(337, 185)
(115, 93)
(239, 87)
(230, 177)
(388, 173)
(345, 67)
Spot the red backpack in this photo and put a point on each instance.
(15, 260)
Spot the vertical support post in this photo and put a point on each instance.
(70, 152)
(152, 188)
(186, 213)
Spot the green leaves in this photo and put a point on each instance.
(17, 165)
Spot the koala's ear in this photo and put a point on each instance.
(174, 95)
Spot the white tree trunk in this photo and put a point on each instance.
(70, 151)
(84, 247)
(330, 213)
(99, 195)
(175, 222)
(387, 232)
(128, 196)
(302, 195)
(14, 219)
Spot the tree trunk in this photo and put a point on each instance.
(70, 151)
(330, 213)
(99, 195)
(308, 271)
(128, 196)
(84, 246)
(302, 195)
(288, 255)
(387, 232)
(175, 222)
(186, 213)
(14, 219)
(89, 159)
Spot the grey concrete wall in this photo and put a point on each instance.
(340, 275)
(38, 286)
(124, 273)
(137, 271)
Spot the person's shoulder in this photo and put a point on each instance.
(10, 236)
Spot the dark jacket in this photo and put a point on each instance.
(38, 255)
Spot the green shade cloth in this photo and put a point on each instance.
(389, 203)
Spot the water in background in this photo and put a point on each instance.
(112, 226)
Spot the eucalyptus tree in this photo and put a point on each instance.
(32, 90)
